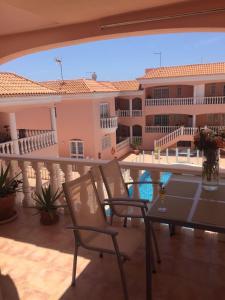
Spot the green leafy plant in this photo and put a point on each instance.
(8, 185)
(46, 200)
(136, 144)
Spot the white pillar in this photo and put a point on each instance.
(13, 132)
(130, 107)
(194, 121)
(53, 123)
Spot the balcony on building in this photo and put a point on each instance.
(128, 107)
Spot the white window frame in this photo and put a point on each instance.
(106, 142)
(104, 110)
(76, 154)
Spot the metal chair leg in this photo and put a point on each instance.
(152, 257)
(74, 264)
(122, 274)
(155, 244)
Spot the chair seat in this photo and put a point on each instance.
(128, 239)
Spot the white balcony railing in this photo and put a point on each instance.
(173, 136)
(185, 101)
(109, 123)
(129, 113)
(136, 140)
(123, 144)
(36, 142)
(160, 129)
(6, 148)
(65, 169)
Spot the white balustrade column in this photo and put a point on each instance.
(52, 169)
(13, 132)
(37, 168)
(134, 174)
(199, 91)
(53, 123)
(27, 200)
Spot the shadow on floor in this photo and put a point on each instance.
(8, 289)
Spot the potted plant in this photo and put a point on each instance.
(209, 142)
(8, 188)
(135, 145)
(46, 205)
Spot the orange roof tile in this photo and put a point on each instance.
(128, 85)
(15, 85)
(79, 86)
(186, 70)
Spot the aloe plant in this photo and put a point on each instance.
(46, 200)
(8, 185)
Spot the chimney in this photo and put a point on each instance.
(94, 76)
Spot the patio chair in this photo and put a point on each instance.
(116, 190)
(91, 230)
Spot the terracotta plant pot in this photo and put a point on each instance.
(7, 210)
(49, 218)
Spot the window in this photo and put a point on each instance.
(104, 110)
(162, 92)
(76, 149)
(161, 120)
(106, 142)
(212, 90)
(224, 90)
(179, 91)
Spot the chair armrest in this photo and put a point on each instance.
(128, 200)
(141, 206)
(108, 231)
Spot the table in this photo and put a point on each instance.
(186, 205)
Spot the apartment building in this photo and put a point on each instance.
(86, 118)
(174, 103)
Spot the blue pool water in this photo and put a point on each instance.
(146, 190)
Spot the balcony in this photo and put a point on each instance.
(29, 140)
(109, 124)
(185, 101)
(39, 257)
(160, 129)
(128, 113)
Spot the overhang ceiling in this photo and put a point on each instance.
(17, 16)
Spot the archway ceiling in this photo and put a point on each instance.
(27, 15)
(28, 26)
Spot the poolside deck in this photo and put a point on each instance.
(39, 260)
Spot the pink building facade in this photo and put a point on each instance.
(86, 118)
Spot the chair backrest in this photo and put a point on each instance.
(84, 206)
(99, 183)
(113, 179)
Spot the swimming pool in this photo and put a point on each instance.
(146, 190)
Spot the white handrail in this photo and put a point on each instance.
(173, 135)
(108, 122)
(160, 129)
(6, 148)
(124, 144)
(185, 101)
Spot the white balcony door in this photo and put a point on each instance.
(104, 110)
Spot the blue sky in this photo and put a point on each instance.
(121, 59)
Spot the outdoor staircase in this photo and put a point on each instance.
(180, 134)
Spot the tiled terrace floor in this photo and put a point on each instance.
(39, 261)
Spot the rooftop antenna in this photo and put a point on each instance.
(59, 62)
(160, 57)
